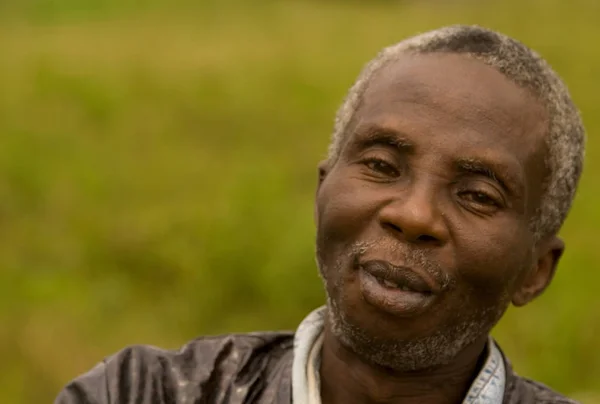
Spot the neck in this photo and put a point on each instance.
(348, 379)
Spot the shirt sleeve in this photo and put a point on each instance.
(89, 388)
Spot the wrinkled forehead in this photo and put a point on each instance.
(460, 102)
(460, 89)
(445, 78)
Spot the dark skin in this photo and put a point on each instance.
(444, 155)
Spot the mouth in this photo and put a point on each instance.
(398, 285)
(397, 290)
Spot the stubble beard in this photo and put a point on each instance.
(417, 354)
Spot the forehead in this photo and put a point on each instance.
(458, 90)
(459, 103)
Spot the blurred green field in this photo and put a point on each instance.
(158, 165)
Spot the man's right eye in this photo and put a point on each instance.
(381, 167)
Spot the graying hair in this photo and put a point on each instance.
(565, 136)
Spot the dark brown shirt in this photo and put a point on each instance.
(233, 369)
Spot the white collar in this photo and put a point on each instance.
(488, 387)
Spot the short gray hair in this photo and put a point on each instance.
(565, 137)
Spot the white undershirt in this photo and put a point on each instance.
(488, 387)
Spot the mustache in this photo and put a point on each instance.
(410, 257)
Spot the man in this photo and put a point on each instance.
(454, 161)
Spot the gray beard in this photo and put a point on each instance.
(422, 353)
(437, 349)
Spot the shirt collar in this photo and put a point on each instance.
(488, 387)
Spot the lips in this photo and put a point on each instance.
(399, 277)
(399, 291)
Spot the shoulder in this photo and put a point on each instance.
(530, 391)
(545, 394)
(203, 351)
(198, 368)
(521, 390)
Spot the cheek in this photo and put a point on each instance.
(344, 210)
(492, 257)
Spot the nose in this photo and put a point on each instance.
(415, 217)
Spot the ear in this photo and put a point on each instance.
(547, 253)
(323, 170)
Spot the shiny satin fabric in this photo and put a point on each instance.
(232, 369)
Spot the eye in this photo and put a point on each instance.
(479, 197)
(480, 201)
(381, 167)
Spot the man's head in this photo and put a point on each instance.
(454, 161)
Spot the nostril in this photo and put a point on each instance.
(394, 227)
(426, 238)
(423, 238)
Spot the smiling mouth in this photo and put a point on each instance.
(401, 278)
(399, 291)
(393, 285)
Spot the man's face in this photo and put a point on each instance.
(424, 220)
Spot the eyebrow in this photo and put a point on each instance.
(381, 136)
(507, 180)
(376, 135)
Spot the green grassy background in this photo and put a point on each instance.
(158, 169)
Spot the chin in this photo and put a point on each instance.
(404, 345)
